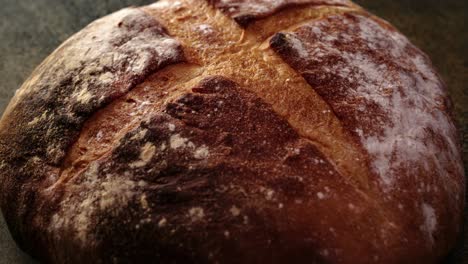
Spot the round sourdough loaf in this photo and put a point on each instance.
(232, 131)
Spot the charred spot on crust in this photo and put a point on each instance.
(245, 20)
(279, 43)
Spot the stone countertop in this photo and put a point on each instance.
(32, 29)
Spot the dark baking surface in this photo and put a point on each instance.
(31, 29)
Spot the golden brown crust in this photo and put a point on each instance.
(246, 12)
(240, 152)
(223, 48)
(197, 179)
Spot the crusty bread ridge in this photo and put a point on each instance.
(303, 131)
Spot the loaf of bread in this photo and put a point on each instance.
(233, 131)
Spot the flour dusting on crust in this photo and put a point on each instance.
(383, 89)
(95, 66)
(91, 196)
(430, 221)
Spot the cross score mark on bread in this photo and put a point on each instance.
(174, 133)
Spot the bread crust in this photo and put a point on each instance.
(244, 13)
(226, 131)
(94, 67)
(373, 78)
(197, 180)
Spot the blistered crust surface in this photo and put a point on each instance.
(246, 12)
